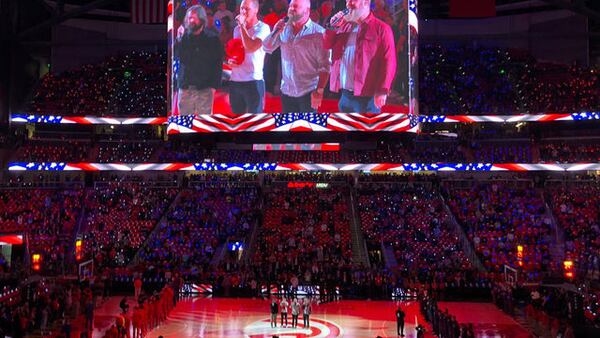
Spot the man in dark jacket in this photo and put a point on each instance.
(274, 311)
(400, 321)
(200, 54)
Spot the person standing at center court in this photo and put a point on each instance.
(284, 311)
(306, 313)
(295, 312)
(274, 310)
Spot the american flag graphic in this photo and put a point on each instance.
(212, 166)
(586, 116)
(414, 120)
(149, 11)
(412, 14)
(412, 5)
(186, 121)
(295, 122)
(289, 118)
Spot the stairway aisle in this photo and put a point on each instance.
(360, 255)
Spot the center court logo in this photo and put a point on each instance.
(319, 328)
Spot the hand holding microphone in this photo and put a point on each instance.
(338, 19)
(180, 32)
(280, 24)
(241, 20)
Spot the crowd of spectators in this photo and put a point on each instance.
(308, 156)
(132, 84)
(46, 305)
(126, 152)
(398, 152)
(151, 149)
(498, 218)
(305, 237)
(411, 221)
(504, 152)
(46, 218)
(310, 176)
(570, 152)
(119, 217)
(378, 156)
(550, 311)
(577, 210)
(202, 220)
(189, 152)
(441, 151)
(60, 307)
(48, 151)
(467, 80)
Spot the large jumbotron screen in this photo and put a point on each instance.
(299, 65)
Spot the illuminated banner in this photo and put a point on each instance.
(300, 185)
(228, 65)
(301, 290)
(210, 166)
(297, 147)
(582, 116)
(89, 120)
(292, 122)
(193, 288)
(240, 123)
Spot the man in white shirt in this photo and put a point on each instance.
(306, 313)
(283, 306)
(247, 90)
(295, 312)
(304, 62)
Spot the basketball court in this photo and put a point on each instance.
(218, 317)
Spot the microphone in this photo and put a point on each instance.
(335, 22)
(285, 20)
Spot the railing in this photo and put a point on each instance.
(161, 220)
(146, 184)
(43, 185)
(222, 184)
(219, 253)
(400, 184)
(82, 216)
(559, 232)
(569, 181)
(388, 256)
(465, 243)
(359, 246)
(249, 253)
(514, 182)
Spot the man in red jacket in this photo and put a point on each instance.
(364, 58)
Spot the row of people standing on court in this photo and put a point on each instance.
(295, 307)
(356, 55)
(444, 324)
